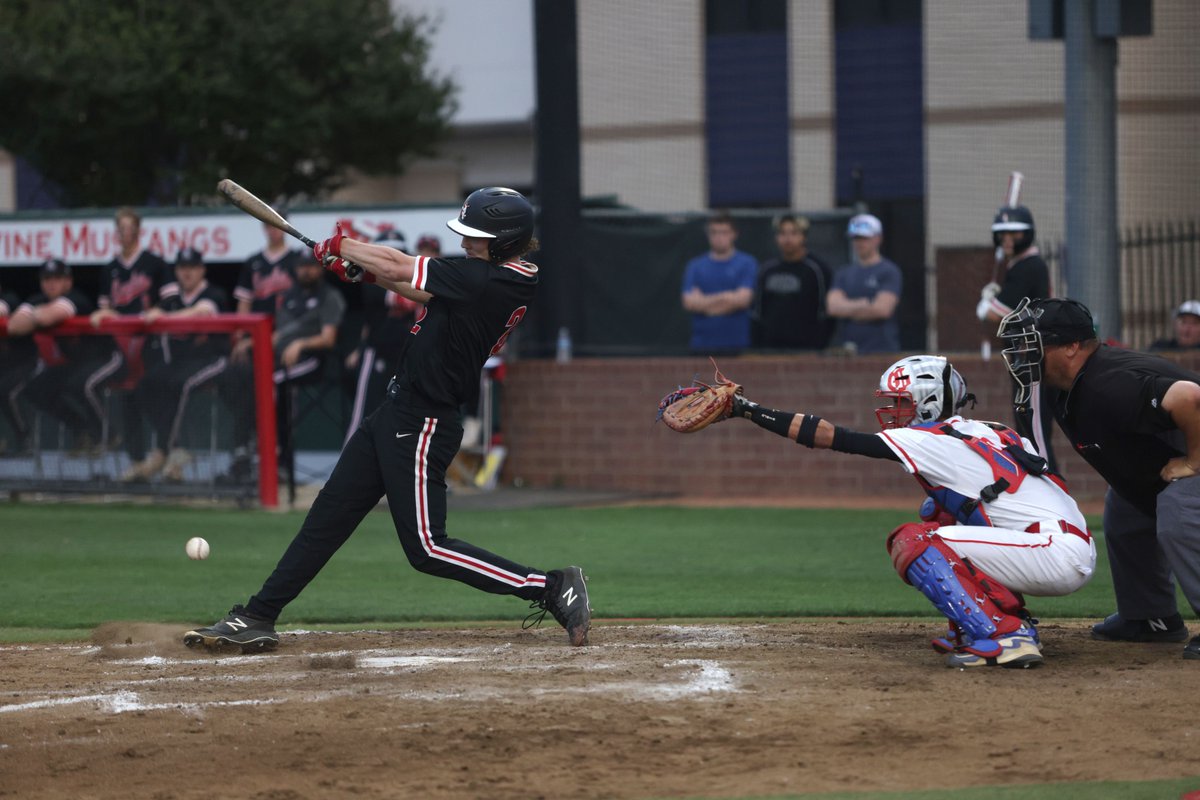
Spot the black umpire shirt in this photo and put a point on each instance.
(1113, 416)
(475, 306)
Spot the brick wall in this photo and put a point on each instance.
(591, 424)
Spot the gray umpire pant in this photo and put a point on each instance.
(1148, 554)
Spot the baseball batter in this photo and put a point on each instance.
(1024, 274)
(998, 523)
(402, 450)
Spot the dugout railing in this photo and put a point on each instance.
(50, 453)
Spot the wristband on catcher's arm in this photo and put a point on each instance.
(808, 430)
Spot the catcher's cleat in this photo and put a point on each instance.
(567, 599)
(237, 630)
(1016, 650)
(1116, 628)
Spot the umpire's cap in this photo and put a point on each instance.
(1063, 321)
(54, 266)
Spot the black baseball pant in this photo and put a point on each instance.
(402, 451)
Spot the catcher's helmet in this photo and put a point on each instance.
(1017, 219)
(922, 389)
(499, 214)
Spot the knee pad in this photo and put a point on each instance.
(976, 603)
(906, 543)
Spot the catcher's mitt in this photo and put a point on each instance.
(699, 405)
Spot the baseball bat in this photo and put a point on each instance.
(248, 202)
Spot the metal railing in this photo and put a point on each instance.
(1160, 268)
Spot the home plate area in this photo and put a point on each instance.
(648, 710)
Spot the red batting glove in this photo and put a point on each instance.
(348, 271)
(330, 247)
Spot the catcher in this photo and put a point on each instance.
(997, 523)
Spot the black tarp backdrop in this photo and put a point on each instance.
(629, 273)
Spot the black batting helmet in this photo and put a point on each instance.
(499, 214)
(1017, 219)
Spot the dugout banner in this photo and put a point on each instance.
(219, 234)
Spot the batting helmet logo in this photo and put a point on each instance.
(898, 380)
(466, 204)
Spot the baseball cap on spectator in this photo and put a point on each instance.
(1063, 321)
(54, 266)
(189, 256)
(1189, 307)
(391, 237)
(429, 241)
(864, 225)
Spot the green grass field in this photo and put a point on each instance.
(70, 567)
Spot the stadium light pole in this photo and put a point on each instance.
(1093, 254)
(557, 178)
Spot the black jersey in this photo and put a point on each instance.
(182, 345)
(71, 348)
(1026, 276)
(789, 305)
(1113, 416)
(263, 282)
(133, 287)
(475, 307)
(14, 350)
(388, 316)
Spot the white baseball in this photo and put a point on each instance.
(197, 548)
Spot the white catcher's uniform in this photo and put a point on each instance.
(1037, 543)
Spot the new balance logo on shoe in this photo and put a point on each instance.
(237, 624)
(1157, 624)
(564, 588)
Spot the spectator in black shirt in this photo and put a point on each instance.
(789, 297)
(1135, 418)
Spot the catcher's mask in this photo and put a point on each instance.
(922, 389)
(1031, 326)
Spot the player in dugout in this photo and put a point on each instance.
(403, 449)
(997, 523)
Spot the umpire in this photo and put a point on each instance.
(1135, 418)
(403, 449)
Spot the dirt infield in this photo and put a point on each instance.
(649, 710)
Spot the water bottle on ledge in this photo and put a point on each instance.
(562, 350)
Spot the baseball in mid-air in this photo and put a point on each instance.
(197, 548)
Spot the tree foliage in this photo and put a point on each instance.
(154, 101)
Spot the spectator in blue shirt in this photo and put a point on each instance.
(865, 294)
(718, 288)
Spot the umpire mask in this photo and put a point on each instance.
(1023, 352)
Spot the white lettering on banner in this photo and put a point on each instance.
(230, 237)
